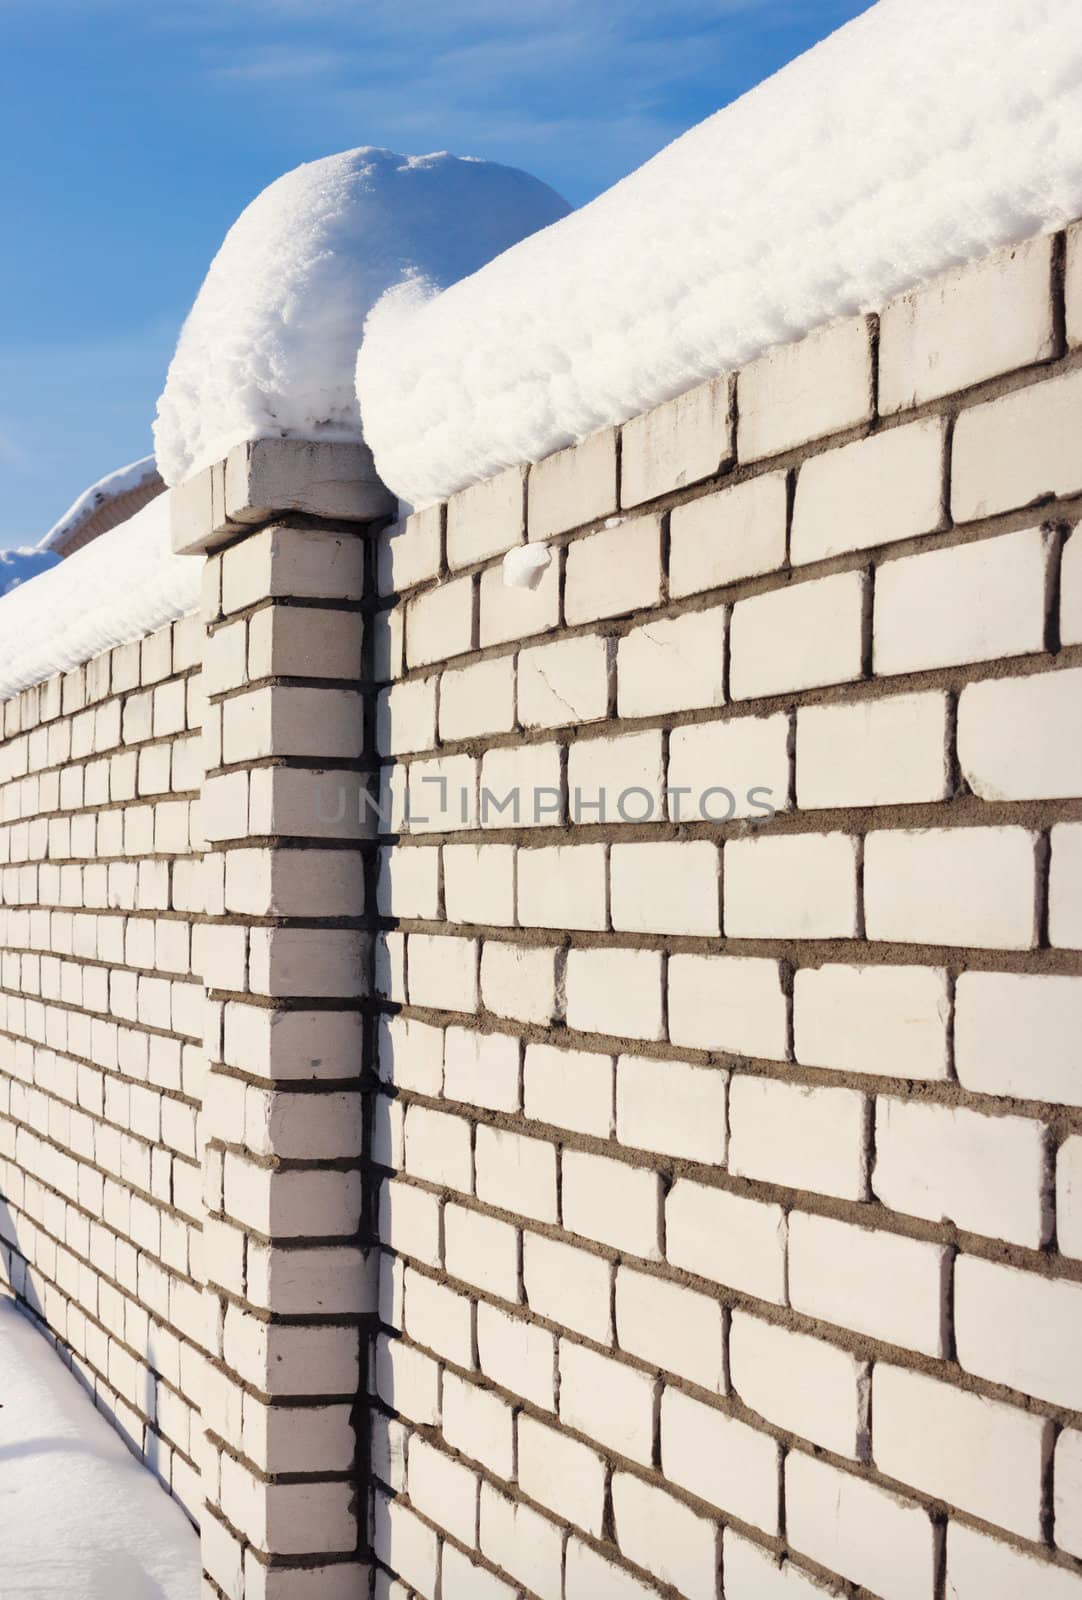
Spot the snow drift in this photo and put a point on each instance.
(82, 1519)
(919, 136)
(124, 585)
(270, 345)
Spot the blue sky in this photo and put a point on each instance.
(134, 132)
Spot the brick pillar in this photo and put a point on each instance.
(286, 961)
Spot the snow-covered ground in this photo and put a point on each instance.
(80, 1518)
(923, 134)
(270, 345)
(125, 584)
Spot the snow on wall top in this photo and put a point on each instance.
(121, 587)
(919, 136)
(115, 486)
(270, 345)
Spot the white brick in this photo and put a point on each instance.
(855, 1528)
(443, 972)
(479, 883)
(676, 444)
(1015, 450)
(658, 1532)
(801, 1138)
(572, 487)
(487, 518)
(721, 1460)
(439, 1318)
(872, 492)
(1070, 599)
(611, 1202)
(802, 391)
(593, 1577)
(562, 886)
(1018, 1035)
(569, 1286)
(517, 613)
(1069, 1197)
(614, 571)
(673, 664)
(442, 1489)
(1068, 1491)
(799, 1383)
(983, 1568)
(873, 753)
(478, 699)
(796, 886)
(481, 1251)
(520, 787)
(438, 1148)
(666, 888)
(607, 1401)
(569, 1089)
(671, 1107)
(438, 795)
(752, 1573)
(518, 1356)
(409, 553)
(1065, 886)
(408, 884)
(982, 319)
(409, 1221)
(519, 981)
(734, 1004)
(616, 992)
(561, 1474)
(1019, 1329)
(971, 602)
(877, 1283)
(738, 767)
(1017, 737)
(601, 772)
(406, 717)
(799, 637)
(949, 1164)
(461, 1578)
(951, 886)
(976, 1454)
(515, 1173)
(672, 1328)
(887, 1021)
(564, 682)
(481, 1069)
(737, 533)
(303, 642)
(439, 622)
(726, 1238)
(411, 1054)
(405, 1544)
(520, 1541)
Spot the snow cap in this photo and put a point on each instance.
(270, 345)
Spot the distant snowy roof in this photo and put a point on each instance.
(124, 585)
(921, 135)
(270, 345)
(106, 504)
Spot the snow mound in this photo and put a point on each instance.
(16, 566)
(138, 475)
(270, 345)
(82, 1519)
(124, 585)
(919, 136)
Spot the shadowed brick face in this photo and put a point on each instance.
(645, 1160)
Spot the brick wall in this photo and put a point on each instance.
(101, 1032)
(602, 1119)
(730, 1163)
